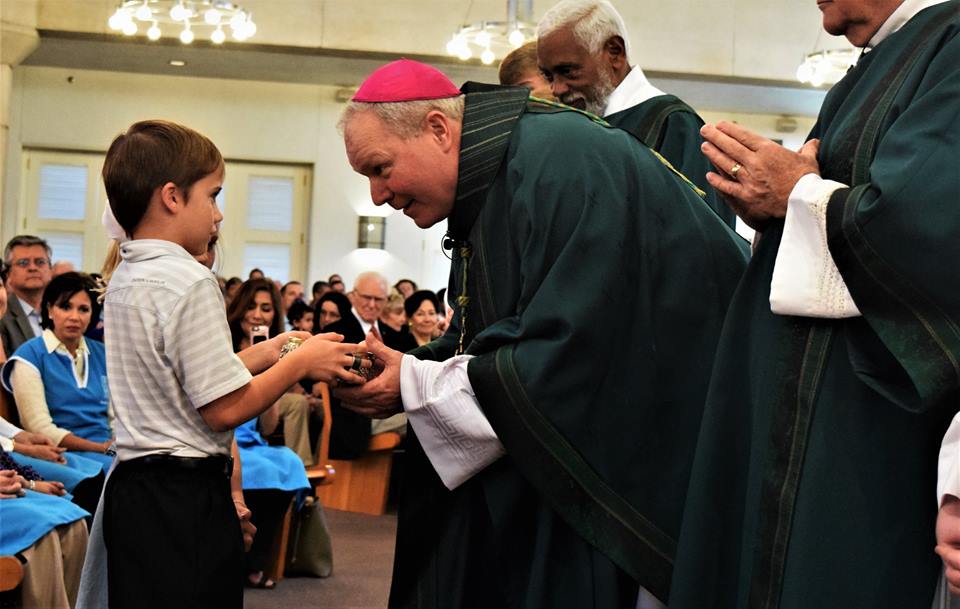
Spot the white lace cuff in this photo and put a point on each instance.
(806, 281)
(446, 416)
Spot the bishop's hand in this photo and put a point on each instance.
(755, 175)
(379, 397)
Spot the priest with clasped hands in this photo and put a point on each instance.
(547, 463)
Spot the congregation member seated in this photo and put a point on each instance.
(59, 379)
(271, 475)
(393, 323)
(230, 289)
(256, 305)
(318, 289)
(405, 287)
(422, 308)
(27, 261)
(300, 316)
(331, 308)
(45, 531)
(82, 478)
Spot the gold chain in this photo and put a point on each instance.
(463, 300)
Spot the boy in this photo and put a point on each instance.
(171, 530)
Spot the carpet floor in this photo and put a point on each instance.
(362, 563)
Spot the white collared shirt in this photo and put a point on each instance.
(364, 325)
(33, 317)
(632, 91)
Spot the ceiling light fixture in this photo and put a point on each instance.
(188, 16)
(492, 39)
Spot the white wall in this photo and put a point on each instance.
(249, 121)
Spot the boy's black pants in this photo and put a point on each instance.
(172, 535)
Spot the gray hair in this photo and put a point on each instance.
(404, 119)
(24, 241)
(372, 276)
(594, 22)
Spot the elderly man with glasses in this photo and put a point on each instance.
(28, 261)
(351, 431)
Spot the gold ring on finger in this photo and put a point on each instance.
(735, 170)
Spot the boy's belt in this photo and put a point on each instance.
(218, 464)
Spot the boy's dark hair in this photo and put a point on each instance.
(317, 286)
(150, 154)
(61, 289)
(297, 310)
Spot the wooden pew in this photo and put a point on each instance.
(362, 483)
(11, 573)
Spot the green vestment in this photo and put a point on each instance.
(596, 282)
(814, 484)
(672, 128)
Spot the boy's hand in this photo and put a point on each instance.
(948, 541)
(325, 358)
(247, 529)
(262, 355)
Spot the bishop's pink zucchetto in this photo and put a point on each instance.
(405, 80)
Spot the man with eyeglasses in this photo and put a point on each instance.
(28, 260)
(351, 431)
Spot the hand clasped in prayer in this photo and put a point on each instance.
(379, 397)
(755, 175)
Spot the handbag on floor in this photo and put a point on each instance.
(310, 551)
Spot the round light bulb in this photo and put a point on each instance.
(451, 46)
(816, 79)
(144, 13)
(177, 13)
(129, 28)
(487, 57)
(240, 34)
(516, 38)
(464, 53)
(483, 38)
(154, 32)
(212, 16)
(237, 21)
(118, 20)
(804, 72)
(186, 36)
(249, 29)
(217, 37)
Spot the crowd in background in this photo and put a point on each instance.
(56, 419)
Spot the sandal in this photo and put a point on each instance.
(262, 581)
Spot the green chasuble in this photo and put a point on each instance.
(591, 284)
(814, 484)
(672, 128)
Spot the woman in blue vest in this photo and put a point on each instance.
(59, 379)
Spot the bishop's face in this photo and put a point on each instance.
(857, 20)
(417, 175)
